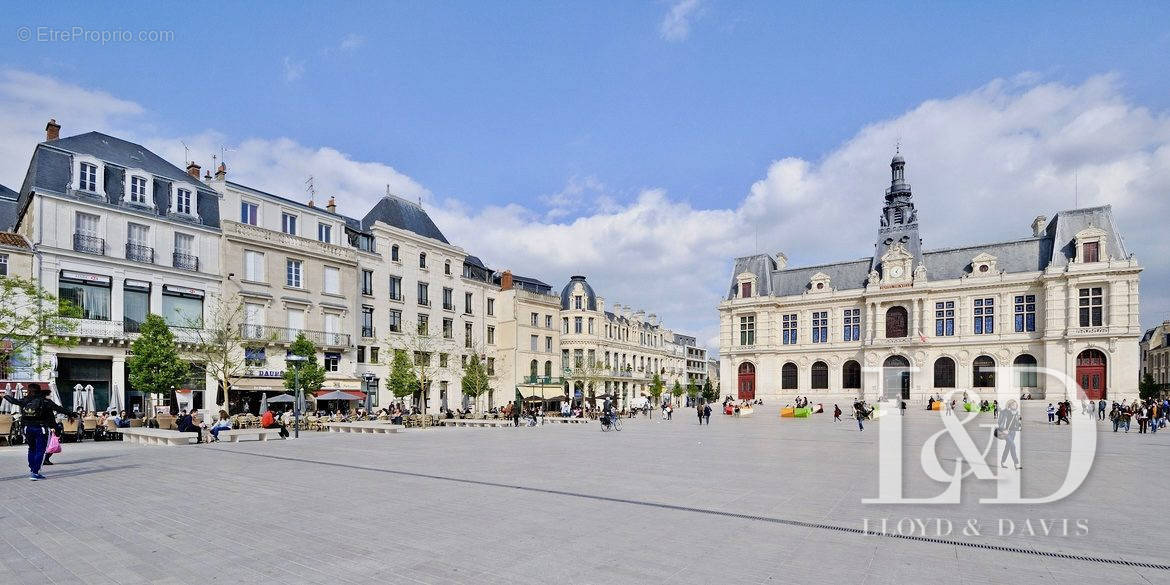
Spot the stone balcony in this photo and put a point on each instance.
(253, 234)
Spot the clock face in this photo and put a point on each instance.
(896, 272)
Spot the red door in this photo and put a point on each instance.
(747, 381)
(1091, 373)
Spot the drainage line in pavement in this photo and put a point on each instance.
(708, 511)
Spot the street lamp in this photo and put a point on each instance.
(297, 360)
(369, 379)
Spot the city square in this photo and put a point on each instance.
(756, 499)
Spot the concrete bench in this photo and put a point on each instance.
(233, 435)
(567, 420)
(476, 422)
(147, 436)
(370, 428)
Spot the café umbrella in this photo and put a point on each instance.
(337, 395)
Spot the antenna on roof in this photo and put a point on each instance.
(311, 189)
(186, 152)
(387, 189)
(223, 150)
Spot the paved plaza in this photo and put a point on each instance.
(748, 500)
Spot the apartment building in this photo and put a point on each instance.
(528, 351)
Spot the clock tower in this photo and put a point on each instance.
(898, 252)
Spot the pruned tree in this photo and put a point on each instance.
(676, 390)
(591, 374)
(421, 346)
(310, 374)
(402, 382)
(1147, 387)
(30, 319)
(710, 394)
(656, 388)
(475, 382)
(154, 363)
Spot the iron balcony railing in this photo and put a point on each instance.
(448, 306)
(289, 335)
(185, 261)
(89, 244)
(368, 331)
(139, 253)
(543, 380)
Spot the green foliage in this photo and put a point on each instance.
(154, 362)
(475, 379)
(31, 318)
(710, 394)
(402, 382)
(676, 390)
(656, 386)
(310, 373)
(1148, 388)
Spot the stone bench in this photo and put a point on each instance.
(476, 422)
(147, 436)
(233, 435)
(567, 420)
(371, 428)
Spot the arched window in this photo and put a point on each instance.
(983, 372)
(1025, 366)
(532, 368)
(820, 376)
(548, 368)
(851, 375)
(788, 376)
(896, 322)
(944, 372)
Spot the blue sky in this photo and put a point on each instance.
(575, 110)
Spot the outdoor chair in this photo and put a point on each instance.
(70, 430)
(112, 431)
(137, 422)
(7, 429)
(89, 427)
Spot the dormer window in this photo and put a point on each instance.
(183, 202)
(1089, 244)
(1091, 252)
(745, 290)
(87, 178)
(138, 190)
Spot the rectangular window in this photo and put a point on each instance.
(325, 233)
(984, 316)
(467, 303)
(491, 307)
(820, 327)
(288, 223)
(332, 360)
(184, 244)
(424, 325)
(1025, 313)
(532, 341)
(491, 335)
(1091, 304)
(1092, 251)
(534, 319)
(443, 359)
(93, 300)
(361, 354)
(422, 260)
(591, 325)
(788, 329)
(367, 282)
(944, 319)
(367, 321)
(564, 325)
(548, 343)
(248, 212)
(296, 322)
(181, 309)
(138, 192)
(448, 299)
(254, 266)
(183, 201)
(395, 321)
(395, 288)
(374, 354)
(491, 366)
(253, 320)
(423, 298)
(747, 330)
(292, 274)
(87, 224)
(88, 178)
(138, 235)
(332, 280)
(3, 264)
(745, 290)
(851, 329)
(577, 328)
(448, 328)
(548, 321)
(135, 306)
(467, 338)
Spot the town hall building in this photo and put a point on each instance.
(913, 322)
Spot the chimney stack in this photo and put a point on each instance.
(221, 172)
(781, 261)
(506, 280)
(193, 170)
(52, 130)
(332, 205)
(1039, 225)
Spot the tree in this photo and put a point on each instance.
(154, 362)
(710, 394)
(31, 318)
(656, 387)
(475, 380)
(1148, 388)
(592, 374)
(419, 345)
(676, 390)
(309, 373)
(401, 382)
(219, 343)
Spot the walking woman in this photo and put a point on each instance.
(1009, 425)
(37, 416)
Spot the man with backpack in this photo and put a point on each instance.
(37, 416)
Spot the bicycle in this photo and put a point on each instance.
(611, 422)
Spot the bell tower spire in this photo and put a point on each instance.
(899, 219)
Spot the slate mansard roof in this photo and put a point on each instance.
(8, 207)
(567, 293)
(1055, 247)
(403, 214)
(51, 170)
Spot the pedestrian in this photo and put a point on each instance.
(707, 413)
(37, 417)
(699, 412)
(836, 413)
(1101, 410)
(1009, 425)
(859, 412)
(1051, 413)
(951, 408)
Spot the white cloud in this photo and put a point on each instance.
(351, 42)
(982, 163)
(676, 25)
(293, 70)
